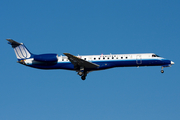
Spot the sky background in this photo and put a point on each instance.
(90, 27)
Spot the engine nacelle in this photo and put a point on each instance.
(49, 58)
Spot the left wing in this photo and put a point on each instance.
(80, 62)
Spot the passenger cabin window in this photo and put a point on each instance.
(94, 58)
(121, 57)
(84, 58)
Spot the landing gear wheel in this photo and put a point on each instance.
(162, 71)
(83, 77)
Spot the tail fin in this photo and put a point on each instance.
(20, 50)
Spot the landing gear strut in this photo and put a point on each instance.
(83, 77)
(83, 74)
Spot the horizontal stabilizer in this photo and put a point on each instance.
(13, 43)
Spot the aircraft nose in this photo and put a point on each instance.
(172, 63)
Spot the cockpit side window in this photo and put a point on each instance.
(155, 55)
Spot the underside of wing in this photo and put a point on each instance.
(80, 62)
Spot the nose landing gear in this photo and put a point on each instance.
(162, 71)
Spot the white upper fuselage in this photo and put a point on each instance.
(112, 57)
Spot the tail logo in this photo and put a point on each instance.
(22, 52)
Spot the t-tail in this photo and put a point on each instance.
(20, 50)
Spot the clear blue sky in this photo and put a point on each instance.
(90, 27)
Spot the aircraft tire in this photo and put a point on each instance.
(83, 77)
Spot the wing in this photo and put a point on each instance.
(80, 62)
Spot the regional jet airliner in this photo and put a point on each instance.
(86, 63)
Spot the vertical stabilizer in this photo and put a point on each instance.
(20, 50)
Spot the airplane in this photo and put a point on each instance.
(87, 63)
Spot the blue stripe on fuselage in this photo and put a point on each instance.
(105, 64)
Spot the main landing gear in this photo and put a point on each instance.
(82, 73)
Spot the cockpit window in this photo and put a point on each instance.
(155, 55)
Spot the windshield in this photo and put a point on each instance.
(154, 55)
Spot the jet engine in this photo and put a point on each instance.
(46, 58)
